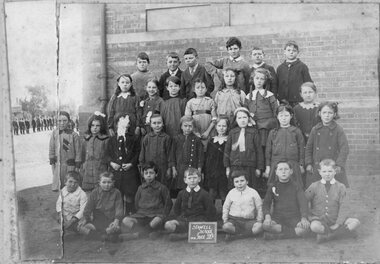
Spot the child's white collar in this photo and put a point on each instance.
(196, 189)
(220, 139)
(254, 94)
(236, 59)
(256, 66)
(332, 181)
(124, 95)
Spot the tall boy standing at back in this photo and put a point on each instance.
(194, 71)
(234, 61)
(142, 75)
(172, 62)
(291, 74)
(257, 56)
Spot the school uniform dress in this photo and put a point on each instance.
(264, 107)
(247, 156)
(227, 100)
(122, 151)
(188, 81)
(330, 206)
(215, 172)
(187, 152)
(71, 204)
(285, 144)
(139, 81)
(96, 159)
(290, 77)
(243, 209)
(149, 107)
(163, 92)
(238, 64)
(64, 155)
(119, 105)
(193, 205)
(327, 142)
(171, 111)
(306, 118)
(289, 204)
(152, 200)
(203, 111)
(273, 80)
(104, 206)
(156, 148)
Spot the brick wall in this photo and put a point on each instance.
(341, 50)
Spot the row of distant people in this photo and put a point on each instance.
(37, 124)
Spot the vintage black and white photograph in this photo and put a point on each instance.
(190, 132)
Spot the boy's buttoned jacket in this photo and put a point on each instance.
(290, 77)
(285, 144)
(252, 156)
(327, 142)
(331, 205)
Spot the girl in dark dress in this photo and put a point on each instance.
(215, 172)
(124, 149)
(124, 101)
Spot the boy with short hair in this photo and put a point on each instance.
(193, 71)
(242, 209)
(257, 56)
(234, 61)
(193, 204)
(105, 205)
(329, 206)
(142, 75)
(153, 205)
(71, 202)
(291, 74)
(289, 216)
(172, 62)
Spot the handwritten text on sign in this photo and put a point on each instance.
(202, 232)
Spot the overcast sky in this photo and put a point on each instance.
(32, 48)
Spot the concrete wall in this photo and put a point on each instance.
(339, 43)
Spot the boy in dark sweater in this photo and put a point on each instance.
(153, 204)
(193, 204)
(291, 74)
(290, 209)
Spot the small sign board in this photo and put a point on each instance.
(202, 232)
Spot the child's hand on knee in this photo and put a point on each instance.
(334, 226)
(304, 223)
(309, 168)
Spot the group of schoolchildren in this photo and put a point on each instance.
(212, 131)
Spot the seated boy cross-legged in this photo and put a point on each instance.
(289, 216)
(329, 206)
(242, 210)
(153, 204)
(193, 204)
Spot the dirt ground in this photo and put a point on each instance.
(40, 236)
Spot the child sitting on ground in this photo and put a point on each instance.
(153, 204)
(106, 208)
(193, 204)
(289, 216)
(242, 210)
(71, 203)
(329, 206)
